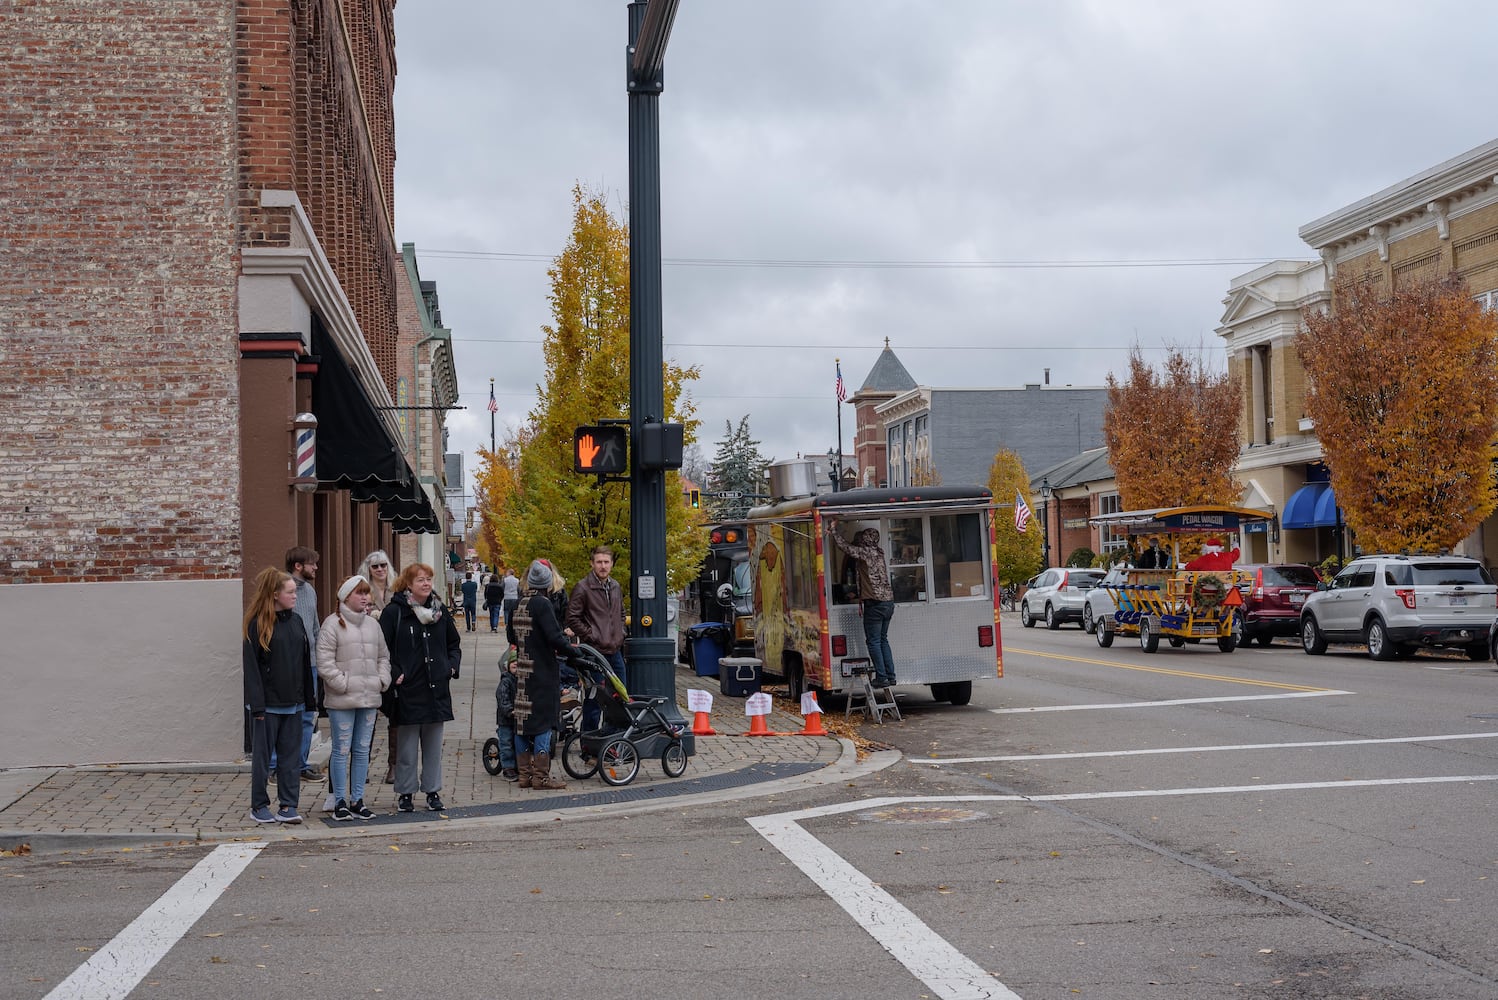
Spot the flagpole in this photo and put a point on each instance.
(492, 411)
(838, 484)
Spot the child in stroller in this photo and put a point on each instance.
(632, 728)
(499, 750)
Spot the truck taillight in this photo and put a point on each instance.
(1407, 595)
(985, 635)
(839, 645)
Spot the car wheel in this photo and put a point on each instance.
(1088, 622)
(1051, 621)
(1312, 639)
(1025, 618)
(1103, 634)
(1176, 642)
(1478, 652)
(1377, 638)
(1227, 643)
(1149, 636)
(1237, 630)
(960, 692)
(1264, 638)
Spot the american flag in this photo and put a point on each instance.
(842, 390)
(493, 406)
(1021, 513)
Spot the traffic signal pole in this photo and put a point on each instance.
(649, 651)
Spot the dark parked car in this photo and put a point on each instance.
(1273, 597)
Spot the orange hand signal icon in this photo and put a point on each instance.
(586, 450)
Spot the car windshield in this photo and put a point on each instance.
(1450, 574)
(1289, 576)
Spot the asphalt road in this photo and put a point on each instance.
(1253, 824)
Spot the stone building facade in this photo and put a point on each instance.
(199, 225)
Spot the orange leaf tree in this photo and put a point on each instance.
(1403, 388)
(1172, 434)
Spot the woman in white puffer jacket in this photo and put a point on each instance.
(354, 664)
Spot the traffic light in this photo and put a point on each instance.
(601, 449)
(694, 498)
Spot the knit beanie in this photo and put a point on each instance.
(348, 587)
(539, 576)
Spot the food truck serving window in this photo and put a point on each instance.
(907, 558)
(957, 550)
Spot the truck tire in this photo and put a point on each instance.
(1149, 635)
(959, 692)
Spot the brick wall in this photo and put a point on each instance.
(118, 328)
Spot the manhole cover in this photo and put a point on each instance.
(922, 814)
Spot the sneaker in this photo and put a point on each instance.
(288, 815)
(311, 774)
(404, 804)
(262, 815)
(510, 774)
(434, 802)
(361, 810)
(342, 812)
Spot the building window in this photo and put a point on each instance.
(1111, 539)
(1488, 300)
(896, 455)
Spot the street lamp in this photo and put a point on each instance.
(1045, 522)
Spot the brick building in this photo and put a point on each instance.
(199, 245)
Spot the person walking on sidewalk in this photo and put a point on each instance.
(596, 612)
(512, 596)
(426, 652)
(377, 569)
(301, 563)
(540, 642)
(354, 665)
(277, 686)
(494, 600)
(876, 597)
(470, 591)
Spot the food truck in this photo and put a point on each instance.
(938, 543)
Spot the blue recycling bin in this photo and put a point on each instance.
(709, 644)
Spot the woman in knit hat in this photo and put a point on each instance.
(354, 665)
(537, 636)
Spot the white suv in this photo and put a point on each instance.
(1396, 604)
(1057, 595)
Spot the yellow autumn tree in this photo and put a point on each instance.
(1172, 434)
(552, 511)
(1018, 554)
(1403, 389)
(496, 485)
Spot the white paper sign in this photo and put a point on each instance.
(757, 704)
(699, 701)
(809, 704)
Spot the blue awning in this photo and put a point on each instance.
(1311, 506)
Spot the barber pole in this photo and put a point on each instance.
(305, 456)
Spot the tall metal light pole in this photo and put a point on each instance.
(1045, 522)
(650, 652)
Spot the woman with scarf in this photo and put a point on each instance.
(537, 635)
(425, 654)
(377, 569)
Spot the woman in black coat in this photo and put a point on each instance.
(425, 654)
(537, 635)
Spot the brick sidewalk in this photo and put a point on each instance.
(187, 802)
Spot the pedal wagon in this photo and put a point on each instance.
(1180, 605)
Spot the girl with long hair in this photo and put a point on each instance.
(277, 684)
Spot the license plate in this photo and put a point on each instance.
(1458, 601)
(1297, 598)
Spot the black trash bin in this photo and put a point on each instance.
(709, 644)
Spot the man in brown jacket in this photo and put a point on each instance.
(595, 614)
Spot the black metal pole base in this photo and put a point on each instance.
(652, 674)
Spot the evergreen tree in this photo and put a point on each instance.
(738, 467)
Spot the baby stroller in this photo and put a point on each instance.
(632, 728)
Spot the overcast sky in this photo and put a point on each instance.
(910, 171)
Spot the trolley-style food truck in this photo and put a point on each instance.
(938, 543)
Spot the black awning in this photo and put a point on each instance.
(355, 452)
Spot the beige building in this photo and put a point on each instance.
(1442, 219)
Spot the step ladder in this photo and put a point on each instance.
(871, 701)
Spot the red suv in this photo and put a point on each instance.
(1272, 599)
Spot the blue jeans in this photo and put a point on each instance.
(469, 613)
(494, 610)
(876, 617)
(506, 737)
(353, 728)
(540, 743)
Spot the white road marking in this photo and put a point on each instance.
(114, 970)
(1159, 704)
(1168, 750)
(928, 956)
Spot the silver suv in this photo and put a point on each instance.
(1396, 604)
(1057, 595)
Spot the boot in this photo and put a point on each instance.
(523, 763)
(541, 773)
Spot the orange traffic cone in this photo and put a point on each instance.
(813, 725)
(701, 727)
(757, 726)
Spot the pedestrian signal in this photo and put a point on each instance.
(601, 449)
(694, 498)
